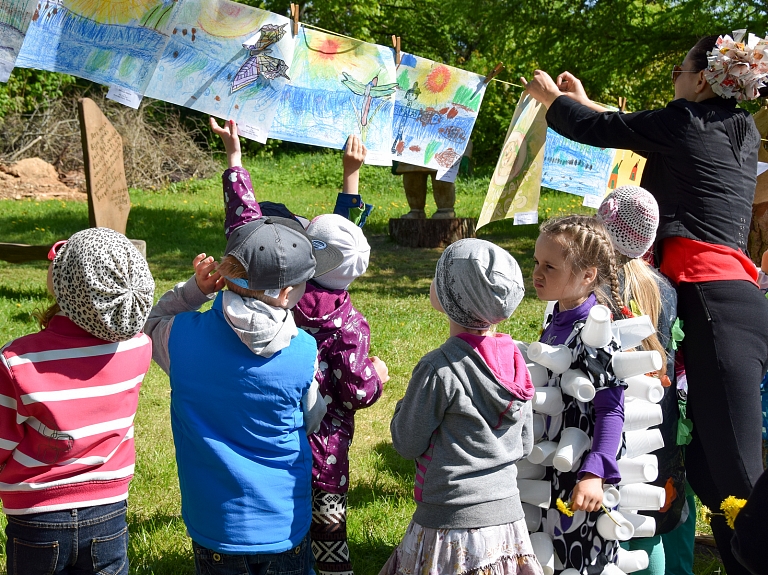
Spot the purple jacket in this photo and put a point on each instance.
(346, 376)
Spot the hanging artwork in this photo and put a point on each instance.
(228, 60)
(575, 168)
(15, 17)
(435, 110)
(113, 43)
(626, 170)
(338, 87)
(516, 182)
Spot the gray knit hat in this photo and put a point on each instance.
(478, 283)
(103, 284)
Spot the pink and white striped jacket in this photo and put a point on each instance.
(67, 405)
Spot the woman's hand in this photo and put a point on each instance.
(588, 493)
(228, 135)
(542, 88)
(569, 85)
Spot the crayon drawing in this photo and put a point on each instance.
(14, 20)
(228, 60)
(112, 43)
(627, 170)
(435, 110)
(516, 182)
(575, 168)
(338, 87)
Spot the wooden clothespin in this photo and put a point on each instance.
(493, 73)
(622, 103)
(396, 46)
(295, 17)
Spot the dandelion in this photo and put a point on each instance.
(705, 514)
(731, 507)
(564, 508)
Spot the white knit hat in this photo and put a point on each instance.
(631, 216)
(342, 234)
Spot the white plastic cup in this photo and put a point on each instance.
(629, 363)
(642, 497)
(611, 496)
(608, 529)
(528, 470)
(573, 443)
(547, 400)
(611, 569)
(523, 347)
(539, 426)
(532, 517)
(574, 383)
(644, 387)
(631, 332)
(539, 374)
(641, 414)
(555, 358)
(597, 329)
(642, 442)
(543, 453)
(535, 492)
(640, 469)
(644, 526)
(544, 551)
(570, 571)
(631, 561)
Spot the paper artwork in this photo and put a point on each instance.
(228, 60)
(435, 110)
(112, 43)
(15, 17)
(516, 182)
(338, 87)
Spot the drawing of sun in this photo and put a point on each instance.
(440, 83)
(229, 19)
(114, 12)
(321, 57)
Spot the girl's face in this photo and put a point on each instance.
(555, 279)
(433, 298)
(49, 283)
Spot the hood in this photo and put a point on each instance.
(263, 328)
(322, 310)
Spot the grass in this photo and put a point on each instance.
(184, 219)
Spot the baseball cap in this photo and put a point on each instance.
(278, 253)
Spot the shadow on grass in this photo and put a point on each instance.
(390, 470)
(177, 560)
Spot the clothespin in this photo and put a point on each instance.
(622, 103)
(493, 73)
(396, 46)
(295, 17)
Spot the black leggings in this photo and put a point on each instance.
(726, 351)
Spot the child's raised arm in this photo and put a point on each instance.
(228, 135)
(349, 203)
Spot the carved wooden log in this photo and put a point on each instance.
(430, 233)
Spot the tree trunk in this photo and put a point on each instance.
(430, 233)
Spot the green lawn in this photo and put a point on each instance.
(185, 219)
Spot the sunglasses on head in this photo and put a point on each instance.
(677, 69)
(55, 249)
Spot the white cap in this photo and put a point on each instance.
(348, 238)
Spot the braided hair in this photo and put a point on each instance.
(586, 243)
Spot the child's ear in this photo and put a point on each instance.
(283, 299)
(589, 275)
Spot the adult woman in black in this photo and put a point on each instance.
(701, 167)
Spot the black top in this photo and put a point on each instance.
(701, 161)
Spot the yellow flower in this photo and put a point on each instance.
(705, 513)
(730, 508)
(564, 508)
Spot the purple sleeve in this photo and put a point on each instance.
(359, 385)
(609, 421)
(240, 205)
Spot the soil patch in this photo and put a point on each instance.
(34, 178)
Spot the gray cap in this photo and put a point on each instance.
(478, 283)
(278, 253)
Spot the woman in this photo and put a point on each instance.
(701, 167)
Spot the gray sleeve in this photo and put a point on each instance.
(527, 430)
(313, 407)
(419, 412)
(184, 296)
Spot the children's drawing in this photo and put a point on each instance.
(14, 20)
(576, 168)
(114, 43)
(435, 110)
(516, 182)
(338, 87)
(626, 171)
(228, 60)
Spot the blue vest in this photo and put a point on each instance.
(245, 465)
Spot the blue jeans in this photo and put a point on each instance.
(87, 540)
(296, 561)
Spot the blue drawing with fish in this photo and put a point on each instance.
(575, 168)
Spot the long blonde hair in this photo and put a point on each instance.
(44, 316)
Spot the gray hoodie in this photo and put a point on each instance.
(465, 429)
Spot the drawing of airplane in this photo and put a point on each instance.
(369, 91)
(259, 62)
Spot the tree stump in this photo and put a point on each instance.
(430, 233)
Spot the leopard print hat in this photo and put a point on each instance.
(103, 284)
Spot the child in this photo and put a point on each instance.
(573, 260)
(242, 398)
(630, 214)
(68, 398)
(349, 380)
(466, 419)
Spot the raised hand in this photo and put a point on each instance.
(207, 278)
(381, 369)
(354, 155)
(229, 136)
